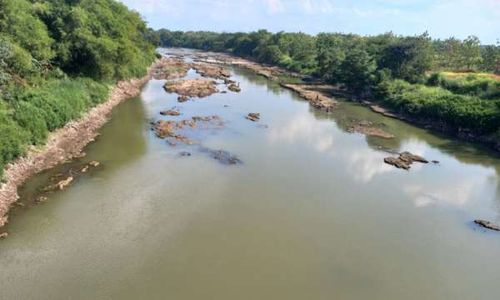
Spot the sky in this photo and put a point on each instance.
(441, 18)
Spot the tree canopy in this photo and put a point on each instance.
(57, 58)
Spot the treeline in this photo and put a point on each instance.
(299, 51)
(57, 59)
(403, 72)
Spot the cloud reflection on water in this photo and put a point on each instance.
(364, 164)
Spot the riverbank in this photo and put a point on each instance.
(492, 141)
(65, 143)
(293, 81)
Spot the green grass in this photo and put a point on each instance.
(32, 113)
(439, 104)
(483, 85)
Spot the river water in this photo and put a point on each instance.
(311, 213)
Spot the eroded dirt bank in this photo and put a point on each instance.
(66, 143)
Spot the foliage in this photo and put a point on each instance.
(435, 103)
(467, 55)
(471, 84)
(52, 105)
(408, 58)
(357, 70)
(53, 53)
(12, 138)
(393, 68)
(491, 58)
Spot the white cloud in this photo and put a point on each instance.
(274, 6)
(317, 6)
(442, 18)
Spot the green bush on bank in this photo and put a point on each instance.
(54, 55)
(439, 104)
(12, 138)
(471, 84)
(46, 108)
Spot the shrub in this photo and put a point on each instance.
(472, 84)
(52, 105)
(459, 111)
(12, 139)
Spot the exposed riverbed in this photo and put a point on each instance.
(310, 211)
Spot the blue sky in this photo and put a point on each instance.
(441, 18)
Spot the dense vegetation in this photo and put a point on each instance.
(57, 59)
(405, 73)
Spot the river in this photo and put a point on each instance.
(311, 213)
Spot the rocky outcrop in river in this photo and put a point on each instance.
(369, 129)
(488, 225)
(170, 68)
(317, 99)
(192, 87)
(405, 160)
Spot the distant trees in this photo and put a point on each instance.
(467, 55)
(396, 70)
(358, 70)
(408, 58)
(471, 53)
(330, 55)
(491, 58)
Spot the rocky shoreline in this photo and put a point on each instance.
(65, 143)
(273, 73)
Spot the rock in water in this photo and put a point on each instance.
(405, 160)
(487, 225)
(171, 112)
(234, 88)
(398, 163)
(64, 183)
(253, 117)
(94, 164)
(182, 99)
(192, 88)
(225, 157)
(409, 157)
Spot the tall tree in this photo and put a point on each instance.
(357, 70)
(471, 52)
(408, 58)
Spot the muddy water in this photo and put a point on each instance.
(311, 213)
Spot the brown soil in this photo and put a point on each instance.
(170, 68)
(64, 144)
(405, 160)
(367, 128)
(312, 93)
(192, 87)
